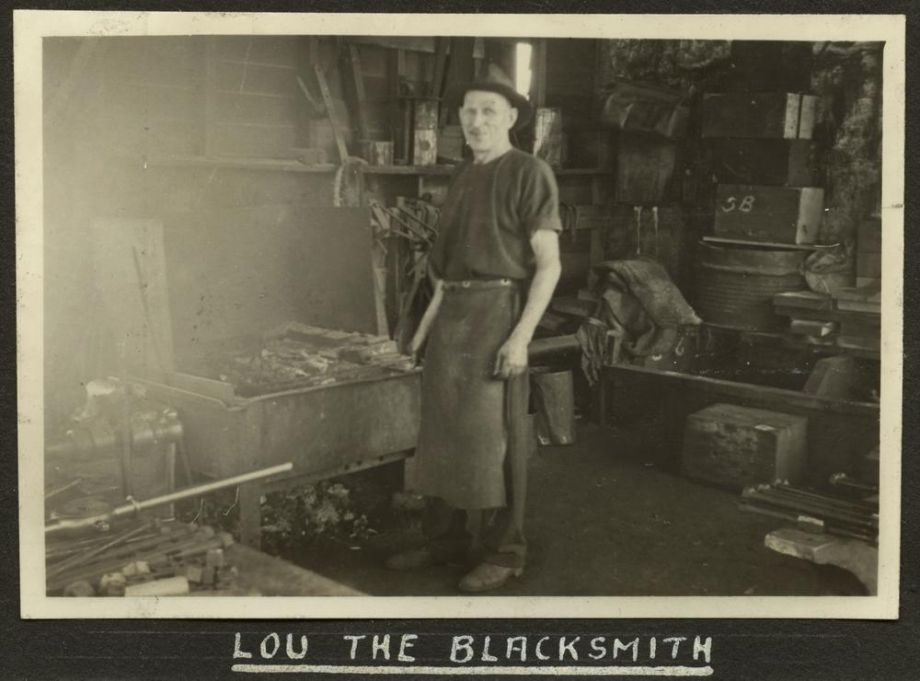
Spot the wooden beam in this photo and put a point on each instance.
(209, 123)
(538, 67)
(331, 112)
(357, 75)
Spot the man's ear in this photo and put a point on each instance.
(514, 116)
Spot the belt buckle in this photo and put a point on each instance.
(465, 283)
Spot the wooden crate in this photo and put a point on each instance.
(791, 163)
(783, 215)
(737, 446)
(771, 115)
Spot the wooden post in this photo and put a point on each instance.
(538, 80)
(395, 69)
(250, 499)
(210, 95)
(357, 76)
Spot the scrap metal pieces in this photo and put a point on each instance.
(138, 562)
(298, 355)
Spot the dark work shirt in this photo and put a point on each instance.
(489, 215)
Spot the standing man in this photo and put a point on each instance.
(494, 265)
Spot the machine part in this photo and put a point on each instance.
(151, 423)
(135, 506)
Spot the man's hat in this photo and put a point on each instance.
(493, 79)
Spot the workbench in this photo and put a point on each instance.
(323, 430)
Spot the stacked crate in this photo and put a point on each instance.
(764, 162)
(767, 199)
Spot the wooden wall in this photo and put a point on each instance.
(117, 107)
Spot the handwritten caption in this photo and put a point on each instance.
(472, 654)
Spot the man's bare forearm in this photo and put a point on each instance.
(538, 297)
(428, 318)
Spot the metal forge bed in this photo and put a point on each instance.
(359, 410)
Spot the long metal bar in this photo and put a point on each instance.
(796, 505)
(815, 509)
(853, 505)
(862, 514)
(137, 506)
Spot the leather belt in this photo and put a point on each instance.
(477, 284)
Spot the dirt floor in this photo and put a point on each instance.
(601, 521)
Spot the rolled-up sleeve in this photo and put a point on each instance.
(539, 200)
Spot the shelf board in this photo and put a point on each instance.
(408, 170)
(444, 169)
(765, 244)
(292, 166)
(237, 163)
(582, 171)
(793, 341)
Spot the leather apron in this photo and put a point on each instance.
(473, 443)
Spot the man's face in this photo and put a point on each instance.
(486, 118)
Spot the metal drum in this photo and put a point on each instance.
(554, 395)
(736, 284)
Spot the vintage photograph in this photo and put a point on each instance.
(533, 311)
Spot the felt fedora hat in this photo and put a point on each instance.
(493, 79)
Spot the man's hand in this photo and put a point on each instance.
(511, 359)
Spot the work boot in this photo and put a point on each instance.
(488, 576)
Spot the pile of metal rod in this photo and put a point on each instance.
(853, 518)
(118, 552)
(133, 560)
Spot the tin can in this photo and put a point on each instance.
(549, 141)
(377, 153)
